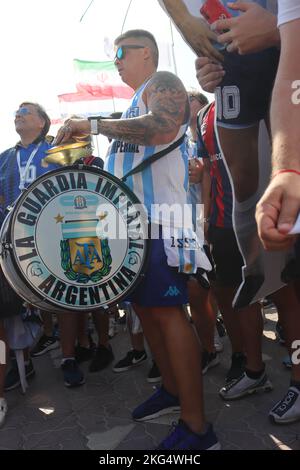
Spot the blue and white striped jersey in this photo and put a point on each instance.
(164, 181)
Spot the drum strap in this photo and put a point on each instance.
(156, 156)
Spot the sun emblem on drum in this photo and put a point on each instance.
(84, 256)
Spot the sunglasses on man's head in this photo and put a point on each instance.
(22, 112)
(120, 52)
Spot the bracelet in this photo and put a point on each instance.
(94, 121)
(94, 126)
(284, 170)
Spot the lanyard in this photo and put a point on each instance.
(23, 171)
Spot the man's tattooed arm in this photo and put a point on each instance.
(168, 109)
(167, 102)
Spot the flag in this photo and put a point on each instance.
(95, 82)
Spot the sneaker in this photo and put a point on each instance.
(244, 385)
(160, 403)
(3, 410)
(287, 410)
(102, 358)
(12, 379)
(44, 344)
(217, 341)
(83, 354)
(182, 438)
(132, 359)
(73, 376)
(237, 368)
(209, 360)
(154, 374)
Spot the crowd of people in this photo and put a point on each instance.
(206, 154)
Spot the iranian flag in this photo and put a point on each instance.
(99, 89)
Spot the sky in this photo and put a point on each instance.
(40, 39)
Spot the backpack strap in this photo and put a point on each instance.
(153, 158)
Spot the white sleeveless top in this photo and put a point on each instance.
(288, 10)
(164, 182)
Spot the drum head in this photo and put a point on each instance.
(79, 239)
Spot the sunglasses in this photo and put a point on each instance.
(120, 52)
(22, 112)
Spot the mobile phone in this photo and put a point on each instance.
(213, 10)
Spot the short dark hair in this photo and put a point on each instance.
(42, 113)
(141, 33)
(198, 96)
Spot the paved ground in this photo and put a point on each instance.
(97, 415)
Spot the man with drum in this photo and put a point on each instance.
(20, 166)
(157, 117)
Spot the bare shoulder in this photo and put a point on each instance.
(165, 81)
(166, 95)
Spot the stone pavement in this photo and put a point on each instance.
(97, 415)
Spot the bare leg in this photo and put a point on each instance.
(225, 297)
(101, 320)
(203, 314)
(82, 336)
(177, 352)
(251, 324)
(288, 307)
(240, 148)
(137, 341)
(3, 363)
(48, 323)
(68, 325)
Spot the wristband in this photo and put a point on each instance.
(94, 126)
(285, 170)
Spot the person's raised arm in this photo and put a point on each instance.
(277, 210)
(194, 30)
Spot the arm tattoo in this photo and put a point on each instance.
(168, 107)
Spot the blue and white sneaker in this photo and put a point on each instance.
(182, 438)
(244, 386)
(160, 403)
(287, 410)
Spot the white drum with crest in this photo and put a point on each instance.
(77, 239)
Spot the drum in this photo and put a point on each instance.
(76, 239)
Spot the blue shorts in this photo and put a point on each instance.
(162, 285)
(243, 97)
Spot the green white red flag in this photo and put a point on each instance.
(95, 82)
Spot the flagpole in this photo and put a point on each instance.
(125, 17)
(86, 11)
(173, 48)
